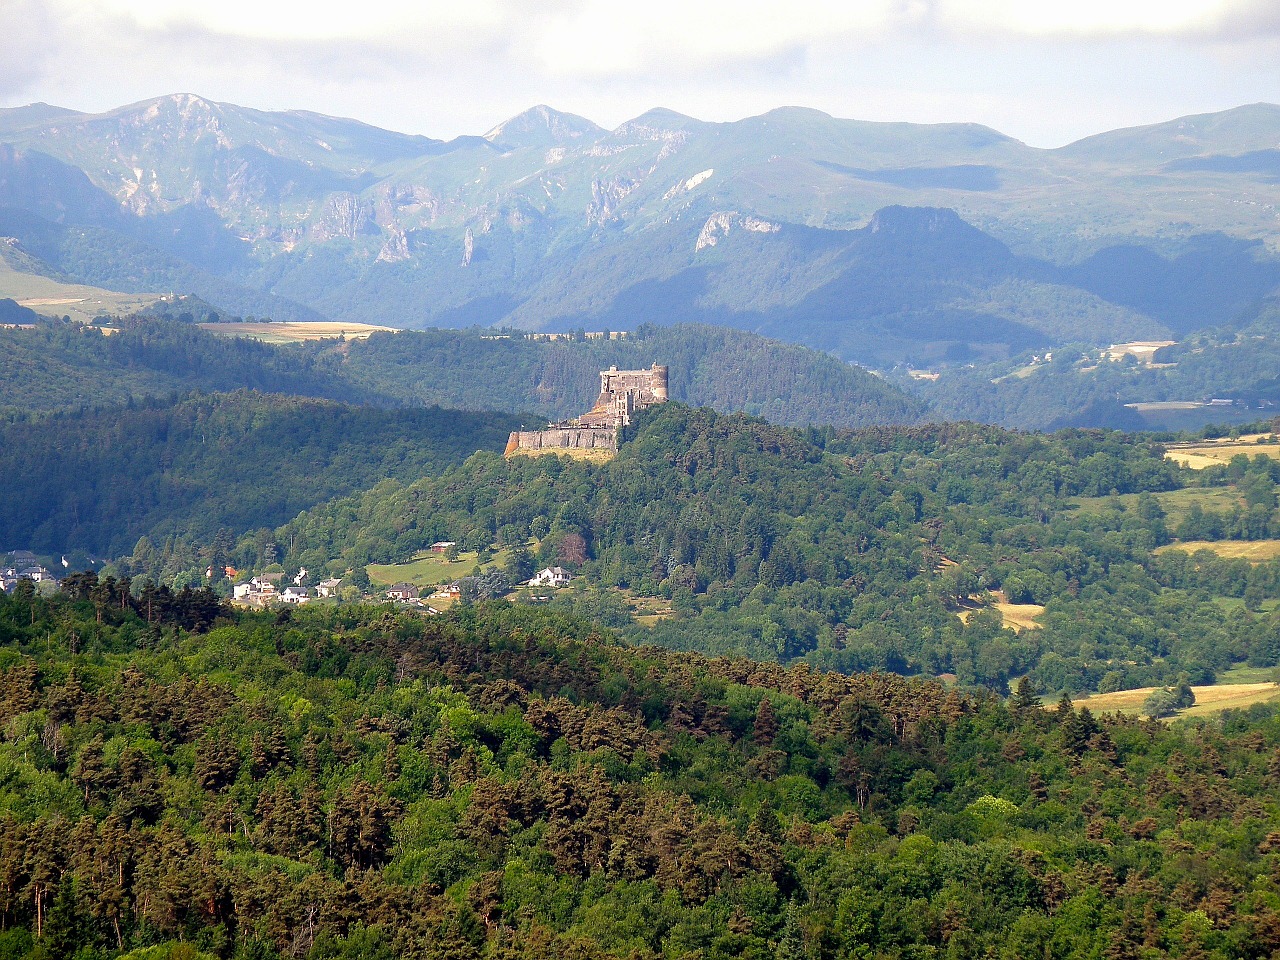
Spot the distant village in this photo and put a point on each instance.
(270, 589)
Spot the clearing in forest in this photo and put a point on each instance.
(1212, 453)
(295, 332)
(1209, 700)
(1255, 551)
(427, 569)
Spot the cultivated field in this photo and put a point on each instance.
(1020, 616)
(1209, 700)
(1253, 550)
(295, 332)
(1212, 453)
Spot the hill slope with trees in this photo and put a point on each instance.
(856, 550)
(506, 783)
(209, 467)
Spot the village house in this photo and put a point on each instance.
(402, 591)
(550, 577)
(294, 594)
(448, 592)
(259, 590)
(441, 546)
(328, 588)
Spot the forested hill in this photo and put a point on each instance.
(855, 550)
(56, 367)
(361, 784)
(59, 366)
(1238, 362)
(729, 370)
(209, 467)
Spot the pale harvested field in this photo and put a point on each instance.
(1142, 350)
(1254, 550)
(1209, 700)
(1016, 616)
(1021, 616)
(295, 332)
(1212, 453)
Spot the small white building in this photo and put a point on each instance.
(551, 577)
(328, 588)
(292, 594)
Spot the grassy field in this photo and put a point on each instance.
(649, 610)
(1176, 503)
(1211, 453)
(52, 298)
(427, 569)
(294, 332)
(1254, 550)
(1246, 674)
(1209, 700)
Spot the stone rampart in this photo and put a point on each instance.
(564, 438)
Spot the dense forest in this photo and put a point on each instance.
(857, 550)
(60, 366)
(211, 466)
(504, 782)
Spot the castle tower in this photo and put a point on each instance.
(658, 383)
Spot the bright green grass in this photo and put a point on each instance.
(1243, 674)
(427, 569)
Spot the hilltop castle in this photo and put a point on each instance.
(622, 393)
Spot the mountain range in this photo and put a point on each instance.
(884, 243)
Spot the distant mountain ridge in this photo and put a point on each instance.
(549, 221)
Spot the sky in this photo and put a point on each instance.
(1044, 71)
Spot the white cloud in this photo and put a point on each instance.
(1087, 17)
(1045, 72)
(289, 19)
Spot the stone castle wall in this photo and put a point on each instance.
(564, 438)
(622, 393)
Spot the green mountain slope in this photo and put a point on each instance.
(345, 220)
(54, 368)
(220, 464)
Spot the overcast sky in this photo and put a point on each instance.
(1045, 71)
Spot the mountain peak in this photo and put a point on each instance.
(659, 119)
(13, 119)
(542, 126)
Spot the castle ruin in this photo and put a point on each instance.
(622, 394)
